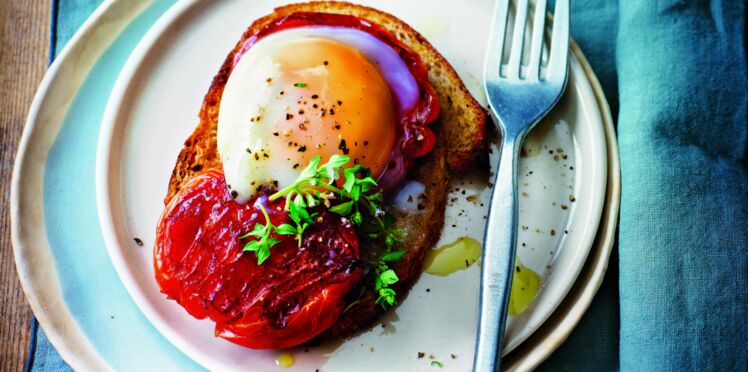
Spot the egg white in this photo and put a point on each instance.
(253, 155)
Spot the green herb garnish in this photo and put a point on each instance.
(436, 363)
(385, 277)
(262, 246)
(358, 197)
(300, 85)
(358, 201)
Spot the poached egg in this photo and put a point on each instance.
(309, 91)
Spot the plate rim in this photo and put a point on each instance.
(60, 327)
(598, 206)
(110, 152)
(559, 326)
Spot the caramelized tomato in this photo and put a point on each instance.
(299, 291)
(293, 296)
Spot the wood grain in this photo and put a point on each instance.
(24, 43)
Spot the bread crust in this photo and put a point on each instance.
(460, 132)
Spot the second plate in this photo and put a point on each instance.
(153, 109)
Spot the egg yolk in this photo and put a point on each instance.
(293, 97)
(336, 101)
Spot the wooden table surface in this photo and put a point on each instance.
(24, 44)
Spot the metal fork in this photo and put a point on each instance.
(519, 97)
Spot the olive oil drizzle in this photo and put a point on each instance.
(465, 251)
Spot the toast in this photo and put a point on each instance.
(460, 132)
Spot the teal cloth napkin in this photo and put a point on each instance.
(676, 293)
(683, 241)
(676, 72)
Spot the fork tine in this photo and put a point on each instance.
(518, 38)
(495, 50)
(536, 45)
(559, 42)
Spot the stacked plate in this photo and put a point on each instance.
(101, 140)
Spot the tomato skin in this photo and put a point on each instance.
(296, 294)
(257, 332)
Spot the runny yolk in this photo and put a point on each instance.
(336, 101)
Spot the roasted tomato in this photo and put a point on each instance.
(293, 296)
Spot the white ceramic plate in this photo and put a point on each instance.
(153, 109)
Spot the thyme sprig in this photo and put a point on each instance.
(357, 201)
(385, 277)
(261, 246)
(316, 185)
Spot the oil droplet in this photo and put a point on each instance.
(525, 284)
(451, 257)
(285, 359)
(535, 140)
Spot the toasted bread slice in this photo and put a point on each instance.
(460, 139)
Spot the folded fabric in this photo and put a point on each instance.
(67, 17)
(684, 209)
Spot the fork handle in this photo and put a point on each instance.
(499, 250)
